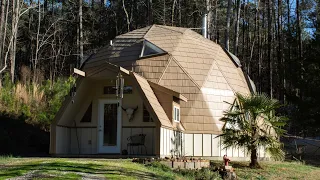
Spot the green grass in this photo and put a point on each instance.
(276, 170)
(66, 168)
(4, 159)
(59, 168)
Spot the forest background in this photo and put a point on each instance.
(277, 41)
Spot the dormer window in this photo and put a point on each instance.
(149, 49)
(176, 113)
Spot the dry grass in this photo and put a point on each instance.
(26, 95)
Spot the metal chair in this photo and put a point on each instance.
(136, 140)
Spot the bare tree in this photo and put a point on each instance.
(127, 15)
(2, 26)
(270, 62)
(164, 12)
(12, 48)
(236, 33)
(15, 20)
(209, 19)
(11, 37)
(228, 24)
(80, 34)
(179, 6)
(216, 21)
(172, 12)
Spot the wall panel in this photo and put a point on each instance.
(215, 145)
(198, 145)
(149, 141)
(161, 141)
(62, 140)
(235, 151)
(241, 152)
(188, 141)
(126, 133)
(207, 145)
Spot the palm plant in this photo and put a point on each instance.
(251, 123)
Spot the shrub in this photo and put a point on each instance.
(160, 166)
(201, 174)
(37, 102)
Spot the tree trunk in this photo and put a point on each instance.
(228, 24)
(259, 49)
(80, 34)
(3, 7)
(281, 64)
(254, 158)
(179, 6)
(14, 23)
(236, 38)
(209, 20)
(288, 43)
(2, 26)
(172, 12)
(243, 37)
(150, 12)
(127, 15)
(270, 68)
(216, 22)
(164, 12)
(35, 65)
(299, 47)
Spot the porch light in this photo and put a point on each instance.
(119, 86)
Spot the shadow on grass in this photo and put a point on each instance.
(68, 167)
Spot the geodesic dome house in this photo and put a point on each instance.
(169, 84)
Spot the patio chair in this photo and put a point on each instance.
(136, 140)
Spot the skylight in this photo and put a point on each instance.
(149, 49)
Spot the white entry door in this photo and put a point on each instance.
(109, 126)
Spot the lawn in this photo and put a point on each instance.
(277, 170)
(66, 168)
(63, 168)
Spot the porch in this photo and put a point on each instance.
(98, 121)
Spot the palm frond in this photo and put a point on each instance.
(251, 122)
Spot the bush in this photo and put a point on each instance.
(202, 174)
(160, 166)
(37, 102)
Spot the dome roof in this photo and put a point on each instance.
(184, 61)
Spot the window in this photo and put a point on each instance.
(109, 90)
(146, 115)
(87, 116)
(150, 49)
(176, 114)
(113, 90)
(127, 90)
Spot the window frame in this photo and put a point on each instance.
(147, 44)
(146, 114)
(111, 90)
(176, 116)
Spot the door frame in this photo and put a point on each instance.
(108, 149)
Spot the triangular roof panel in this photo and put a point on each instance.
(152, 101)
